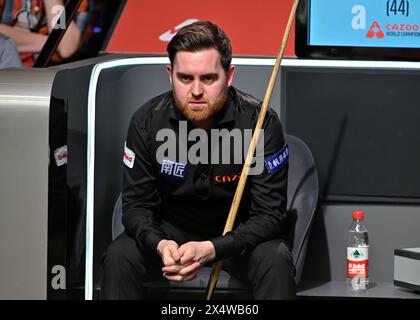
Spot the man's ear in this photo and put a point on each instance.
(169, 70)
(230, 75)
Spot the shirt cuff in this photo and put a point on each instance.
(149, 242)
(227, 246)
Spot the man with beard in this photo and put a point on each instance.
(174, 210)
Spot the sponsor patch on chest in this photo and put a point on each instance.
(227, 178)
(173, 168)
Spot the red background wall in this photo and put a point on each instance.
(254, 27)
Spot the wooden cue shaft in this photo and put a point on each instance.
(214, 276)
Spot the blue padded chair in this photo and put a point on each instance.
(302, 198)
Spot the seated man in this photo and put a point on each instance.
(177, 196)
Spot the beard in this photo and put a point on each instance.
(199, 114)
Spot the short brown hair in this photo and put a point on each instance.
(201, 35)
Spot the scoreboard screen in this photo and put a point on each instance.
(365, 23)
(358, 29)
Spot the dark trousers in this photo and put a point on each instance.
(268, 268)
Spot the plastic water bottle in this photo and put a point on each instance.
(358, 253)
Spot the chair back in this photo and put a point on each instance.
(302, 198)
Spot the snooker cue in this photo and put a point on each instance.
(214, 276)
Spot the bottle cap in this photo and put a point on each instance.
(358, 215)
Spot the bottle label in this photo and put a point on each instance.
(357, 262)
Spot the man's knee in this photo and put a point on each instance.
(273, 253)
(123, 270)
(122, 251)
(271, 271)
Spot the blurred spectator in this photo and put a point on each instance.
(102, 17)
(28, 23)
(9, 57)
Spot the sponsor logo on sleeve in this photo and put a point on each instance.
(129, 157)
(60, 156)
(278, 160)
